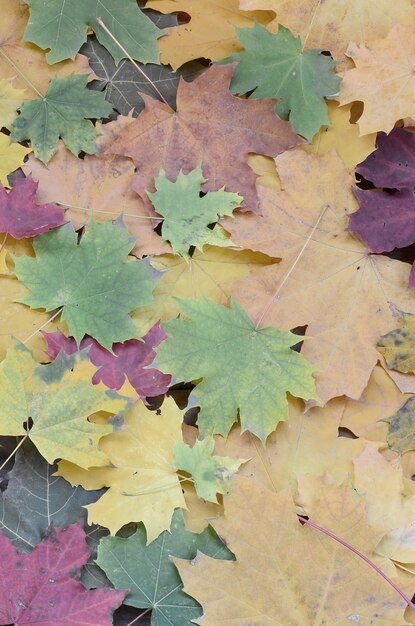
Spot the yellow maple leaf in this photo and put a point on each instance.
(143, 484)
(288, 574)
(384, 79)
(327, 280)
(10, 101)
(398, 346)
(11, 157)
(204, 275)
(97, 187)
(331, 24)
(210, 32)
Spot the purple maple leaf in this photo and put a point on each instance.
(129, 359)
(42, 587)
(21, 217)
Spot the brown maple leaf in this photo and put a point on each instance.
(210, 126)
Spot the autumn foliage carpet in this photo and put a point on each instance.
(207, 376)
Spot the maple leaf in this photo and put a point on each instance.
(389, 57)
(243, 368)
(187, 215)
(95, 288)
(211, 474)
(127, 360)
(149, 573)
(331, 25)
(276, 66)
(401, 436)
(21, 217)
(209, 33)
(123, 84)
(11, 157)
(27, 58)
(98, 187)
(327, 279)
(58, 401)
(43, 121)
(211, 127)
(143, 484)
(42, 586)
(302, 595)
(10, 101)
(386, 221)
(35, 499)
(203, 275)
(397, 347)
(62, 28)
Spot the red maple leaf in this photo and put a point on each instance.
(42, 587)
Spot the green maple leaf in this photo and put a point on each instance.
(211, 474)
(243, 368)
(61, 113)
(187, 215)
(58, 401)
(92, 283)
(150, 575)
(62, 26)
(277, 66)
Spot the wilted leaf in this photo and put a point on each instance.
(58, 401)
(21, 216)
(276, 66)
(11, 157)
(62, 28)
(210, 126)
(244, 368)
(398, 346)
(187, 215)
(277, 577)
(390, 57)
(211, 474)
(42, 587)
(143, 484)
(401, 433)
(149, 573)
(45, 120)
(10, 101)
(90, 281)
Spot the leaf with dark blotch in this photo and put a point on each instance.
(35, 499)
(42, 587)
(123, 84)
(401, 433)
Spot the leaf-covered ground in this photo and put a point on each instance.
(207, 346)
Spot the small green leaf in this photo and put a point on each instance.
(243, 368)
(277, 66)
(187, 215)
(211, 474)
(61, 113)
(91, 281)
(151, 576)
(62, 26)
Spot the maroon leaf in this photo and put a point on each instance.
(129, 359)
(42, 587)
(392, 164)
(21, 216)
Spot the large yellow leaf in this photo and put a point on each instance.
(286, 574)
(327, 279)
(204, 275)
(383, 79)
(143, 484)
(210, 32)
(21, 60)
(11, 157)
(331, 24)
(97, 187)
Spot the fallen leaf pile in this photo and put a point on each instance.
(207, 355)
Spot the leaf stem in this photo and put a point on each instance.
(139, 617)
(115, 212)
(56, 313)
(360, 555)
(158, 92)
(11, 455)
(20, 73)
(3, 243)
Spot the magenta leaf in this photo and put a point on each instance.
(392, 164)
(128, 360)
(21, 217)
(43, 587)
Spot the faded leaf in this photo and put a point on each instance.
(401, 432)
(10, 101)
(11, 157)
(398, 346)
